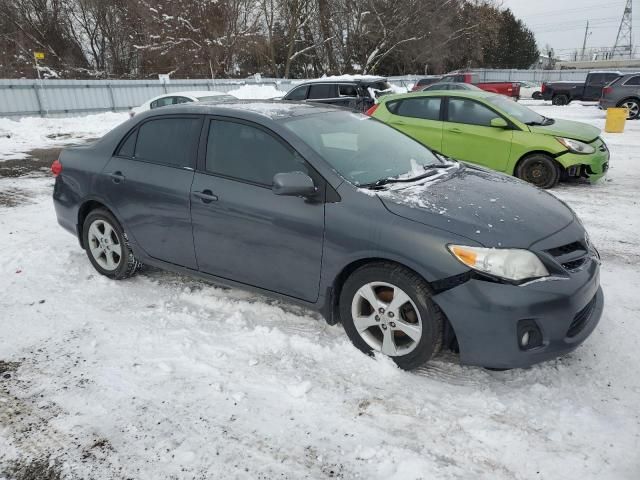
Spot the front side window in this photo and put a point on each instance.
(249, 153)
(348, 90)
(322, 90)
(361, 149)
(169, 141)
(469, 112)
(427, 108)
(633, 81)
(182, 100)
(299, 93)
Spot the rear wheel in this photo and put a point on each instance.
(539, 170)
(386, 308)
(537, 96)
(560, 100)
(633, 106)
(107, 246)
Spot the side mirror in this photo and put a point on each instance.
(499, 123)
(293, 184)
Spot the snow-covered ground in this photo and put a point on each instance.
(164, 376)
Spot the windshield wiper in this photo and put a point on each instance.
(545, 121)
(430, 173)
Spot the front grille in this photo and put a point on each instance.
(574, 265)
(571, 256)
(566, 249)
(581, 319)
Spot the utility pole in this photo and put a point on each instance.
(584, 44)
(624, 40)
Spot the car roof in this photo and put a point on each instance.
(191, 93)
(272, 109)
(345, 79)
(473, 94)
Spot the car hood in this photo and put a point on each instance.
(568, 129)
(492, 209)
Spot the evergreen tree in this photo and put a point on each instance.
(514, 45)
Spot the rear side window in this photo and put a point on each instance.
(322, 90)
(128, 147)
(348, 90)
(248, 153)
(169, 141)
(470, 112)
(163, 102)
(299, 93)
(425, 108)
(633, 81)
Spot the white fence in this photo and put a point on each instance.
(73, 97)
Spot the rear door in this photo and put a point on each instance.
(244, 232)
(148, 184)
(420, 118)
(325, 93)
(467, 134)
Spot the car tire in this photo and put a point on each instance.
(107, 245)
(537, 96)
(560, 100)
(633, 106)
(404, 323)
(539, 170)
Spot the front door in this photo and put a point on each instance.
(148, 184)
(419, 118)
(243, 231)
(467, 135)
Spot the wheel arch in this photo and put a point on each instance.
(87, 207)
(552, 156)
(449, 335)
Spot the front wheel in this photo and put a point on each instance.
(107, 246)
(539, 170)
(387, 308)
(633, 107)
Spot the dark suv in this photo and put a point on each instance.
(357, 93)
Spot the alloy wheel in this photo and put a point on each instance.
(633, 108)
(104, 245)
(386, 318)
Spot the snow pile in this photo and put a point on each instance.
(259, 92)
(19, 136)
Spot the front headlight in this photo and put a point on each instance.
(509, 263)
(576, 146)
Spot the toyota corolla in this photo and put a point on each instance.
(410, 251)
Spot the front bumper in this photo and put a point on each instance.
(486, 317)
(593, 166)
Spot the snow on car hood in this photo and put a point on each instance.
(568, 129)
(490, 208)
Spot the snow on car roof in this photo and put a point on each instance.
(347, 78)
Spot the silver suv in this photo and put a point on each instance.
(623, 92)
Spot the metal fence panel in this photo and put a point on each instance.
(73, 97)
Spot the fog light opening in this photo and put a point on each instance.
(524, 341)
(529, 335)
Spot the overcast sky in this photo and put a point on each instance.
(561, 23)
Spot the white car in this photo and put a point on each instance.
(530, 90)
(175, 98)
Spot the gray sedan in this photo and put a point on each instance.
(623, 92)
(412, 252)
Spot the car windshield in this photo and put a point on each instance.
(216, 98)
(516, 110)
(361, 149)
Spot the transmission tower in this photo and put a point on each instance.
(624, 40)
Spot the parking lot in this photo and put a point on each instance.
(163, 376)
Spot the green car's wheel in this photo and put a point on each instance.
(540, 170)
(560, 100)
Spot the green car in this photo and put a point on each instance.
(498, 133)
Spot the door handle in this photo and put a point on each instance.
(117, 177)
(206, 196)
(455, 130)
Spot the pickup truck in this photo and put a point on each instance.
(563, 93)
(510, 89)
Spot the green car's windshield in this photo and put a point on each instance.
(361, 149)
(516, 110)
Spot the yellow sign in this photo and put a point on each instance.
(38, 55)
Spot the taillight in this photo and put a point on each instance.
(371, 111)
(606, 90)
(56, 168)
(543, 88)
